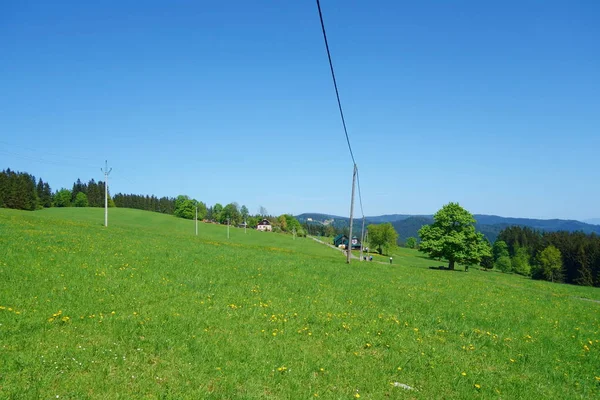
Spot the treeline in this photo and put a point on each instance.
(165, 205)
(570, 257)
(185, 207)
(20, 191)
(89, 194)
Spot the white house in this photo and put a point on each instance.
(264, 225)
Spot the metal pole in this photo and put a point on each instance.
(362, 239)
(349, 250)
(106, 172)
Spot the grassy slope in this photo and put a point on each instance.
(154, 311)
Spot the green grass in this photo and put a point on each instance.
(146, 309)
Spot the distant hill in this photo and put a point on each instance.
(489, 225)
(593, 221)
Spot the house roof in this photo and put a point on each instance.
(264, 222)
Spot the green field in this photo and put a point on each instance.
(146, 309)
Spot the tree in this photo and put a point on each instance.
(383, 237)
(282, 223)
(487, 262)
(244, 211)
(550, 264)
(453, 236)
(504, 264)
(81, 200)
(62, 198)
(77, 188)
(262, 211)
(186, 207)
(216, 212)
(520, 262)
(230, 213)
(201, 210)
(500, 249)
(411, 242)
(252, 222)
(46, 199)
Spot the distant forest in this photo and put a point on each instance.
(579, 262)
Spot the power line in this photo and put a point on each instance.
(45, 152)
(49, 162)
(359, 194)
(335, 82)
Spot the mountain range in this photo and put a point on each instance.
(490, 225)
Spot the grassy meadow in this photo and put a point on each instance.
(146, 309)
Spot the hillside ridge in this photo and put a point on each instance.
(490, 225)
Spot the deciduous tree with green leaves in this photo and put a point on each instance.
(81, 200)
(62, 198)
(504, 264)
(383, 237)
(500, 249)
(453, 237)
(520, 262)
(411, 242)
(549, 264)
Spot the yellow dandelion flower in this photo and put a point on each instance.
(477, 386)
(463, 373)
(357, 395)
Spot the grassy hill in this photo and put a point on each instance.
(146, 309)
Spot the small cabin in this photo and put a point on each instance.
(264, 225)
(340, 241)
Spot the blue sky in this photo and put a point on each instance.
(491, 104)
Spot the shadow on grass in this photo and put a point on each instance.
(444, 268)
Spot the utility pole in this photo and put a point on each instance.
(245, 225)
(367, 240)
(106, 172)
(362, 239)
(196, 220)
(349, 250)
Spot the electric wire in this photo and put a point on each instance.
(337, 93)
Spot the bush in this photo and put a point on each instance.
(503, 263)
